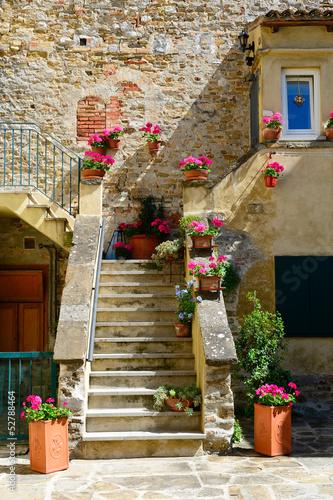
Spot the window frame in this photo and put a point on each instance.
(302, 134)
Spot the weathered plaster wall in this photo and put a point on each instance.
(12, 252)
(175, 63)
(292, 219)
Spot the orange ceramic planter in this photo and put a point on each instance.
(114, 143)
(92, 173)
(329, 133)
(48, 443)
(198, 174)
(182, 329)
(271, 134)
(154, 145)
(201, 241)
(99, 150)
(171, 402)
(272, 430)
(208, 283)
(270, 181)
(143, 246)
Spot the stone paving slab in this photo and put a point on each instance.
(307, 474)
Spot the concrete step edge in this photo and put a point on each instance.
(144, 356)
(140, 436)
(134, 296)
(142, 339)
(134, 323)
(142, 373)
(134, 283)
(135, 309)
(131, 273)
(132, 391)
(132, 412)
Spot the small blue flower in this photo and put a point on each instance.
(177, 287)
(199, 299)
(190, 315)
(190, 283)
(192, 299)
(181, 316)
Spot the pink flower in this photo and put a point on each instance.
(211, 258)
(22, 414)
(129, 247)
(191, 265)
(217, 222)
(64, 404)
(212, 264)
(50, 400)
(331, 114)
(122, 225)
(266, 120)
(118, 245)
(297, 393)
(292, 385)
(202, 270)
(149, 125)
(23, 404)
(221, 258)
(195, 223)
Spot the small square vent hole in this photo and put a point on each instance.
(29, 243)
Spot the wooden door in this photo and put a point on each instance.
(22, 310)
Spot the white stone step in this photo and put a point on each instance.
(143, 361)
(167, 345)
(121, 398)
(138, 329)
(136, 314)
(136, 300)
(136, 419)
(135, 288)
(150, 379)
(140, 436)
(146, 276)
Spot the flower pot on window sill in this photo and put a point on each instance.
(271, 134)
(270, 181)
(183, 329)
(197, 174)
(92, 173)
(48, 443)
(329, 133)
(272, 430)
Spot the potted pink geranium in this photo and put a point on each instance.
(95, 165)
(208, 278)
(202, 235)
(98, 144)
(195, 169)
(272, 173)
(153, 136)
(329, 128)
(123, 252)
(112, 137)
(273, 127)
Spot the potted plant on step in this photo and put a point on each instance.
(169, 250)
(329, 128)
(153, 136)
(95, 165)
(273, 127)
(98, 144)
(195, 169)
(112, 137)
(211, 278)
(177, 398)
(123, 252)
(272, 173)
(272, 419)
(48, 434)
(186, 308)
(149, 230)
(201, 235)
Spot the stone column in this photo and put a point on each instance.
(91, 194)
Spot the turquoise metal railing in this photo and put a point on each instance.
(21, 374)
(30, 156)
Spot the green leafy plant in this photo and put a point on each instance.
(42, 411)
(169, 248)
(122, 250)
(230, 278)
(150, 219)
(185, 393)
(259, 346)
(238, 432)
(185, 222)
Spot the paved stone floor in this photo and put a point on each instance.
(306, 474)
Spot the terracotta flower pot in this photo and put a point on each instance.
(208, 283)
(99, 150)
(270, 181)
(183, 329)
(143, 246)
(202, 241)
(154, 145)
(92, 173)
(114, 143)
(271, 134)
(171, 402)
(48, 443)
(198, 174)
(272, 430)
(329, 133)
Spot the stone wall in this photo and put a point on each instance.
(173, 63)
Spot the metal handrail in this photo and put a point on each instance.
(95, 291)
(33, 157)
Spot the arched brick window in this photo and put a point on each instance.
(91, 117)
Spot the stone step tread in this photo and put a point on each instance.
(134, 283)
(134, 323)
(135, 309)
(134, 412)
(38, 206)
(52, 219)
(143, 339)
(134, 295)
(142, 373)
(126, 273)
(130, 391)
(130, 261)
(139, 436)
(143, 355)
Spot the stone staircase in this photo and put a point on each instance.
(37, 210)
(136, 351)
